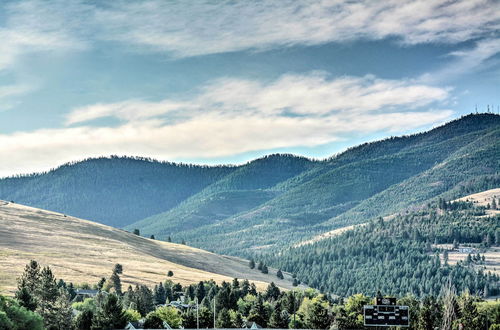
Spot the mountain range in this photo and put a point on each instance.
(275, 201)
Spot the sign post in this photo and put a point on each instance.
(385, 313)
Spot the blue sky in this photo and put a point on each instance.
(228, 81)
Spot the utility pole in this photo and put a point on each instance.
(197, 315)
(214, 312)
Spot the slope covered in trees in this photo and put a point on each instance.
(276, 200)
(399, 255)
(114, 191)
(365, 182)
(242, 190)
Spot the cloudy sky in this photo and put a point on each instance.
(227, 81)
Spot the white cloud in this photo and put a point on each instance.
(35, 26)
(186, 28)
(230, 117)
(464, 61)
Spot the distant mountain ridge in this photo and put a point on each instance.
(276, 200)
(362, 183)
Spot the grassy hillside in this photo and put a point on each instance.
(114, 191)
(82, 251)
(365, 182)
(402, 255)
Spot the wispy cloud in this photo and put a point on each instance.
(33, 26)
(232, 116)
(207, 27)
(464, 61)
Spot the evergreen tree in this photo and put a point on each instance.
(317, 316)
(279, 318)
(251, 264)
(116, 283)
(189, 319)
(152, 236)
(137, 232)
(223, 319)
(258, 312)
(265, 270)
(118, 268)
(260, 265)
(279, 274)
(153, 321)
(170, 273)
(200, 291)
(160, 296)
(26, 299)
(48, 293)
(272, 292)
(110, 314)
(83, 321)
(100, 284)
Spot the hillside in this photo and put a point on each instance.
(275, 201)
(365, 182)
(404, 255)
(82, 251)
(114, 191)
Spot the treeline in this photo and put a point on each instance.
(399, 255)
(360, 184)
(115, 191)
(43, 302)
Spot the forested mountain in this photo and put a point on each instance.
(242, 190)
(274, 201)
(400, 255)
(114, 191)
(371, 180)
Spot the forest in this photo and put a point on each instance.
(44, 302)
(400, 255)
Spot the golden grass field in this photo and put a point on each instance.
(82, 251)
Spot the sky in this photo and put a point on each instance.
(217, 82)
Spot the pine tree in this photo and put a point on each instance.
(317, 316)
(251, 264)
(279, 319)
(118, 269)
(83, 321)
(26, 299)
(48, 293)
(200, 291)
(28, 286)
(116, 283)
(137, 232)
(160, 296)
(258, 312)
(265, 270)
(170, 273)
(260, 265)
(64, 310)
(110, 314)
(279, 274)
(223, 319)
(272, 292)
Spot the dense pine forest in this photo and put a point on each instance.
(401, 255)
(42, 301)
(275, 201)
